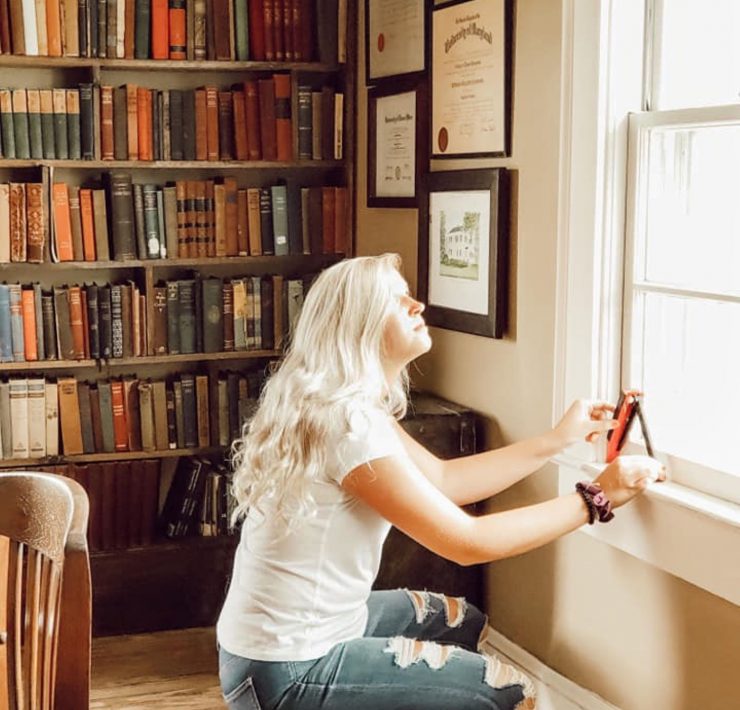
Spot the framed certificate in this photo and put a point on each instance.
(471, 78)
(464, 250)
(395, 39)
(396, 144)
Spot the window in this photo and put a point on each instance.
(681, 332)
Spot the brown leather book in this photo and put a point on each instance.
(210, 223)
(182, 219)
(178, 31)
(146, 415)
(278, 33)
(132, 122)
(232, 237)
(85, 332)
(35, 222)
(70, 34)
(201, 125)
(283, 121)
(107, 142)
(225, 126)
(129, 28)
(222, 30)
(252, 124)
(28, 310)
(120, 124)
(144, 123)
(341, 227)
(253, 219)
(6, 46)
(328, 206)
(327, 124)
(54, 28)
(18, 40)
(192, 220)
(268, 128)
(18, 238)
(212, 127)
(239, 110)
(69, 416)
(88, 224)
(97, 422)
(288, 20)
(242, 223)
(76, 323)
(228, 315)
(62, 222)
(100, 218)
(133, 418)
(219, 192)
(120, 429)
(159, 403)
(135, 320)
(199, 239)
(127, 320)
(269, 33)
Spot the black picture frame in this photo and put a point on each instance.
(418, 140)
(371, 7)
(439, 135)
(441, 283)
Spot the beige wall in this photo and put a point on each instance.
(642, 639)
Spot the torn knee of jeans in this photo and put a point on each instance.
(455, 609)
(420, 600)
(409, 651)
(500, 675)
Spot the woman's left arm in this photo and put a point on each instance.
(469, 479)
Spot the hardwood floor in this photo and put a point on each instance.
(169, 669)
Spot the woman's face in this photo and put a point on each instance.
(406, 335)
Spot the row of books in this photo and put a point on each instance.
(190, 218)
(41, 418)
(249, 121)
(258, 30)
(110, 321)
(53, 124)
(199, 499)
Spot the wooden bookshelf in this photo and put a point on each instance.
(134, 587)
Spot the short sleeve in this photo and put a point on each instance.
(372, 437)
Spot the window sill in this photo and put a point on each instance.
(676, 529)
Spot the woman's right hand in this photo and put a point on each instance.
(627, 476)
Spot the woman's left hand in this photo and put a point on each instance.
(585, 419)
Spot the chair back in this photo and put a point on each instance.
(42, 518)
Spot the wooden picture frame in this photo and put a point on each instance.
(471, 78)
(396, 34)
(464, 250)
(396, 155)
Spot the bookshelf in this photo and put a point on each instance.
(134, 582)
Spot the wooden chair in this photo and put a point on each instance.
(45, 594)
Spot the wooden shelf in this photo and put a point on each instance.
(174, 545)
(37, 365)
(113, 456)
(172, 164)
(165, 65)
(197, 262)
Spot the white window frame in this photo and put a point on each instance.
(673, 527)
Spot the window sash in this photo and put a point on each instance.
(701, 477)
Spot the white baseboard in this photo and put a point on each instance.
(538, 671)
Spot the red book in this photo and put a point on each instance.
(28, 309)
(252, 124)
(277, 29)
(212, 132)
(62, 222)
(120, 431)
(88, 224)
(268, 17)
(283, 123)
(268, 128)
(328, 206)
(160, 30)
(106, 123)
(256, 31)
(144, 123)
(178, 33)
(241, 147)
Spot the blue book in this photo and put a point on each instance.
(16, 323)
(6, 342)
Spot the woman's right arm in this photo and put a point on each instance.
(395, 488)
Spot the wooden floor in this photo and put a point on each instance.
(170, 669)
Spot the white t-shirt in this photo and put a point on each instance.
(292, 597)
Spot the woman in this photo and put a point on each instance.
(324, 470)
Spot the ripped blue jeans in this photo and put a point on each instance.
(419, 652)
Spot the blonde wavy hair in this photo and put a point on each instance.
(332, 370)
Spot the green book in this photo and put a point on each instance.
(106, 416)
(59, 103)
(20, 124)
(213, 322)
(241, 30)
(47, 123)
(142, 35)
(34, 123)
(173, 318)
(73, 124)
(280, 219)
(6, 123)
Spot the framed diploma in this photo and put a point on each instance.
(395, 39)
(396, 143)
(463, 250)
(471, 78)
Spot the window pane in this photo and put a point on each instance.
(686, 358)
(699, 59)
(692, 226)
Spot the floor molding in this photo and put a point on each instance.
(570, 692)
